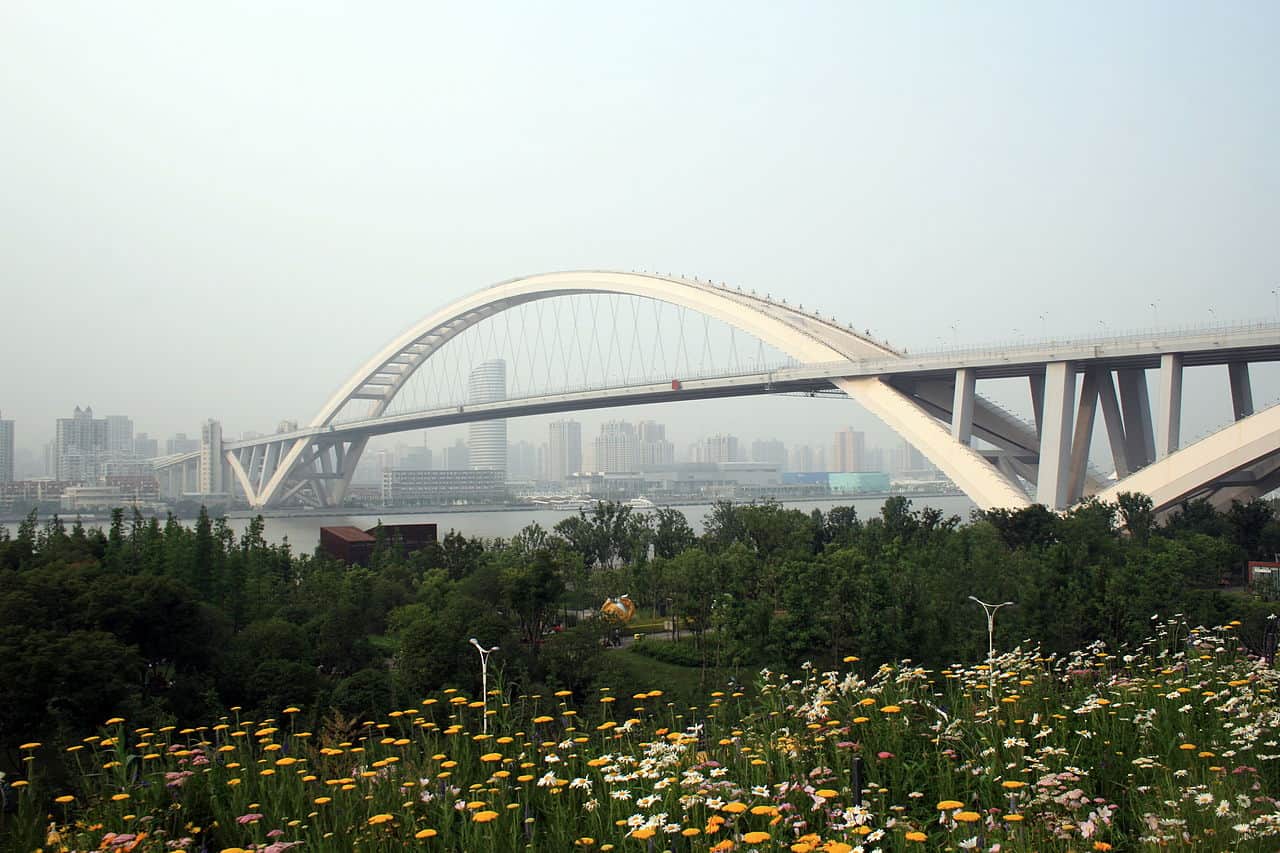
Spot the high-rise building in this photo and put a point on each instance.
(487, 440)
(617, 449)
(564, 450)
(808, 460)
(770, 450)
(77, 445)
(719, 448)
(906, 462)
(145, 447)
(849, 451)
(413, 458)
(457, 457)
(119, 434)
(211, 461)
(522, 461)
(181, 444)
(655, 450)
(6, 451)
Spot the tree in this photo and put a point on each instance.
(532, 593)
(1138, 515)
(672, 534)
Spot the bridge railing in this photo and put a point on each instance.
(649, 379)
(1028, 344)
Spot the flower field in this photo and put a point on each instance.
(1173, 745)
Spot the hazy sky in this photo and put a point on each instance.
(222, 209)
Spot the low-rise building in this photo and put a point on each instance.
(426, 488)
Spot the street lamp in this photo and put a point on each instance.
(484, 678)
(1155, 315)
(991, 610)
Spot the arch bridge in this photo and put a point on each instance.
(995, 457)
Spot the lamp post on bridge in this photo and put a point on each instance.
(484, 679)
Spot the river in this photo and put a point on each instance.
(303, 530)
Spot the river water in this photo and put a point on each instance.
(303, 530)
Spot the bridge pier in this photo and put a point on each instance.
(1169, 420)
(1055, 439)
(1135, 405)
(1082, 438)
(1241, 389)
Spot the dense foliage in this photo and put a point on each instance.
(173, 622)
(168, 623)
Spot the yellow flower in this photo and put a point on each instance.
(116, 798)
(755, 837)
(484, 816)
(65, 798)
(917, 836)
(734, 807)
(827, 793)
(1012, 818)
(425, 833)
(890, 709)
(643, 832)
(967, 817)
(585, 841)
(947, 805)
(1012, 784)
(32, 745)
(380, 818)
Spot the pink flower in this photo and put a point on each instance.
(249, 818)
(884, 755)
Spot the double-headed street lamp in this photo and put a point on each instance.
(484, 678)
(991, 610)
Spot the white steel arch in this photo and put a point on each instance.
(804, 336)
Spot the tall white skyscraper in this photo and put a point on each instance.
(565, 449)
(487, 440)
(211, 462)
(6, 451)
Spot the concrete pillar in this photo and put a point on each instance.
(1241, 389)
(1135, 403)
(962, 406)
(1082, 438)
(1114, 424)
(1055, 438)
(1036, 380)
(1169, 420)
